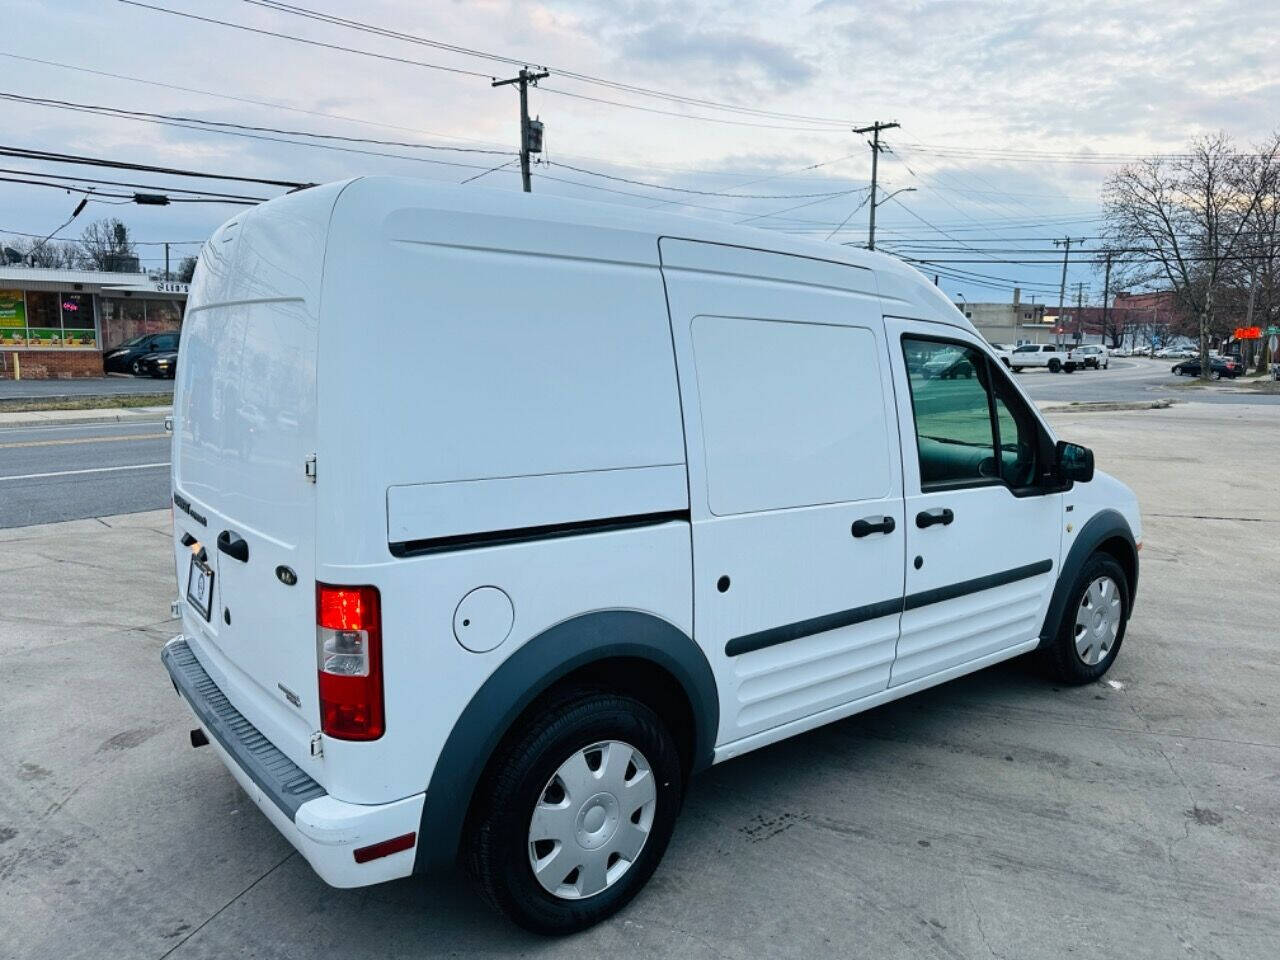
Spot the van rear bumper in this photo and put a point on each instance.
(325, 830)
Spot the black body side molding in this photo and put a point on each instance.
(1102, 527)
(524, 676)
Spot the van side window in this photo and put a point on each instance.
(955, 435)
(793, 414)
(1018, 436)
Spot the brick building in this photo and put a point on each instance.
(57, 323)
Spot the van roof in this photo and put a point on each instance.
(620, 233)
(613, 216)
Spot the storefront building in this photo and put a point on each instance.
(57, 323)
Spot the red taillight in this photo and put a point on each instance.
(349, 661)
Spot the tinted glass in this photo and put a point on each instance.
(1018, 436)
(954, 434)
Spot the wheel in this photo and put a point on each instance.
(136, 368)
(1215, 374)
(1069, 367)
(1005, 361)
(573, 815)
(1092, 627)
(1055, 365)
(1177, 369)
(1106, 365)
(1017, 369)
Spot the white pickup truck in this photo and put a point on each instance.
(1051, 355)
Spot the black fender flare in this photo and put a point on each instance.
(1103, 526)
(529, 672)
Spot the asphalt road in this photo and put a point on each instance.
(1130, 381)
(91, 387)
(65, 472)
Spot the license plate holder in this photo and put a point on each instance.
(200, 586)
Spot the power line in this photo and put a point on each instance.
(271, 104)
(407, 61)
(80, 160)
(137, 186)
(299, 11)
(703, 193)
(126, 197)
(142, 117)
(148, 243)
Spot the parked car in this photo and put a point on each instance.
(1049, 355)
(160, 365)
(1090, 355)
(127, 358)
(1219, 367)
(435, 607)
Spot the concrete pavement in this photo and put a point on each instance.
(996, 816)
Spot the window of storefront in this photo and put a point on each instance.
(78, 327)
(124, 318)
(46, 319)
(13, 318)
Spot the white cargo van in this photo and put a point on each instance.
(499, 516)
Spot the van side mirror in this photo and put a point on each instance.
(1073, 462)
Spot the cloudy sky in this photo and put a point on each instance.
(1012, 114)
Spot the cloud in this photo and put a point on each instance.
(675, 44)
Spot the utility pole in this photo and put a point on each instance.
(1065, 243)
(1106, 300)
(1079, 312)
(530, 130)
(874, 130)
(166, 261)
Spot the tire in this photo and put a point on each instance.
(1215, 374)
(1017, 369)
(136, 368)
(553, 749)
(1055, 365)
(1063, 657)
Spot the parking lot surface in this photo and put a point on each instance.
(997, 816)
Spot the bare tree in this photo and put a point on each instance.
(187, 269)
(1259, 268)
(106, 245)
(1187, 216)
(54, 253)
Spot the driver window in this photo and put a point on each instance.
(949, 400)
(1018, 436)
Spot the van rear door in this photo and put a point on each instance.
(244, 428)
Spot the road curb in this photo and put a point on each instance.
(50, 418)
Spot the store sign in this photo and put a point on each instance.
(171, 286)
(13, 309)
(1248, 333)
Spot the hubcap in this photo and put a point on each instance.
(1098, 621)
(592, 820)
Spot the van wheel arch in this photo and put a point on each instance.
(634, 653)
(1105, 532)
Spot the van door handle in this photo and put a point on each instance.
(234, 546)
(927, 518)
(869, 525)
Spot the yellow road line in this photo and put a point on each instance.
(74, 440)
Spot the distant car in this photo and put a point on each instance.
(1091, 355)
(127, 358)
(1121, 352)
(1219, 367)
(161, 366)
(1001, 351)
(953, 371)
